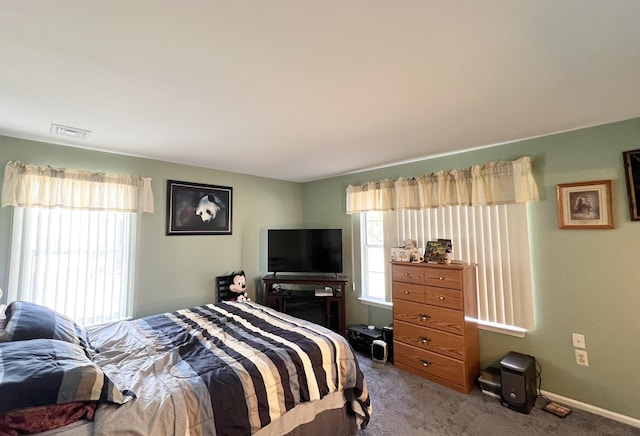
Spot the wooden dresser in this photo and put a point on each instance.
(432, 336)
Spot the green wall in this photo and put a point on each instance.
(175, 271)
(585, 281)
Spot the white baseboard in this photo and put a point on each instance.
(592, 409)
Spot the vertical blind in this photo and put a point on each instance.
(75, 262)
(493, 237)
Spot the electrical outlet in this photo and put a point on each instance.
(578, 340)
(582, 358)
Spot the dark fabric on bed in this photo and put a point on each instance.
(42, 372)
(31, 321)
(39, 419)
(331, 422)
(203, 335)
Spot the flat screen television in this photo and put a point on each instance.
(305, 250)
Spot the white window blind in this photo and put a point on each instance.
(77, 262)
(493, 237)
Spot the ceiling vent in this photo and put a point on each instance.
(71, 132)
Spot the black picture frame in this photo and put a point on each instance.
(631, 160)
(198, 209)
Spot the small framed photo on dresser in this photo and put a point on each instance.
(585, 205)
(632, 174)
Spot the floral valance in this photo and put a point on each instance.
(31, 186)
(492, 183)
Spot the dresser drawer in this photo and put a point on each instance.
(429, 339)
(429, 316)
(446, 278)
(429, 363)
(408, 292)
(407, 274)
(442, 297)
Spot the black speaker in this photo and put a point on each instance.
(361, 338)
(518, 378)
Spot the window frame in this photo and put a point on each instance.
(365, 296)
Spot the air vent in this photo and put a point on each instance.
(71, 132)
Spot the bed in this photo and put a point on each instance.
(230, 368)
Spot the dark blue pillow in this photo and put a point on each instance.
(27, 321)
(42, 372)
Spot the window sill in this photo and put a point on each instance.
(483, 325)
(501, 328)
(376, 303)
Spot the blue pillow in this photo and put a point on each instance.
(27, 321)
(43, 372)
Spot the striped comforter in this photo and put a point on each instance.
(225, 369)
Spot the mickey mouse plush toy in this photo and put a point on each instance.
(237, 286)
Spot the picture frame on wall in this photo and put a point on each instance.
(585, 205)
(198, 209)
(632, 174)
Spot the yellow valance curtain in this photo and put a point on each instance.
(31, 186)
(499, 182)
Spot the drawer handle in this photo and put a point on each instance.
(406, 292)
(440, 278)
(424, 317)
(441, 298)
(406, 274)
(425, 363)
(424, 339)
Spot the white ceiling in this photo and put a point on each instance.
(302, 90)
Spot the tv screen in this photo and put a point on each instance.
(305, 250)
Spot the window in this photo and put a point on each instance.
(77, 262)
(494, 237)
(374, 258)
(73, 239)
(493, 232)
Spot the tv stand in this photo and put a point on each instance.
(333, 305)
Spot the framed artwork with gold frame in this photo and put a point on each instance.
(585, 205)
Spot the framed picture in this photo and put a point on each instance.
(197, 209)
(586, 205)
(632, 173)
